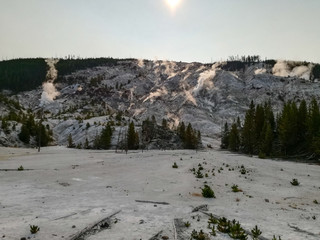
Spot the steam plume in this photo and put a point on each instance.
(49, 91)
(205, 78)
(292, 69)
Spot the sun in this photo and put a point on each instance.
(173, 3)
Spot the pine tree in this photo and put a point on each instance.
(287, 128)
(42, 135)
(86, 144)
(189, 138)
(182, 131)
(259, 120)
(132, 137)
(248, 132)
(24, 134)
(225, 137)
(105, 137)
(70, 141)
(164, 123)
(302, 125)
(268, 139)
(234, 139)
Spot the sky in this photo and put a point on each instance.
(196, 30)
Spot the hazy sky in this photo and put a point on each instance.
(197, 30)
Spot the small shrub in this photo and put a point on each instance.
(274, 238)
(315, 202)
(237, 232)
(198, 236)
(206, 175)
(212, 220)
(295, 182)
(224, 225)
(20, 168)
(256, 232)
(235, 188)
(199, 174)
(213, 231)
(175, 165)
(34, 229)
(187, 224)
(207, 192)
(243, 171)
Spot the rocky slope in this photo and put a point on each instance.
(205, 95)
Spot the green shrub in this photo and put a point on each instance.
(235, 188)
(20, 168)
(274, 238)
(34, 229)
(198, 236)
(256, 232)
(237, 232)
(199, 174)
(224, 225)
(175, 165)
(187, 224)
(295, 182)
(207, 192)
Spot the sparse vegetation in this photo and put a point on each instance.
(256, 232)
(198, 235)
(175, 165)
(235, 188)
(199, 174)
(20, 168)
(295, 182)
(207, 192)
(34, 229)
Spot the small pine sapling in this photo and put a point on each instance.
(315, 201)
(198, 236)
(34, 229)
(187, 224)
(199, 174)
(207, 192)
(256, 232)
(213, 231)
(212, 220)
(295, 182)
(237, 232)
(235, 188)
(20, 168)
(243, 171)
(274, 238)
(223, 225)
(175, 165)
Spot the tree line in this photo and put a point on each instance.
(67, 66)
(22, 74)
(131, 139)
(293, 132)
(31, 131)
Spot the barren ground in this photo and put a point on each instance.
(64, 191)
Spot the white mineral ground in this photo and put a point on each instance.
(67, 187)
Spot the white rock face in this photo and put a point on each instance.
(202, 94)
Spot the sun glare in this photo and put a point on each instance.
(173, 3)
